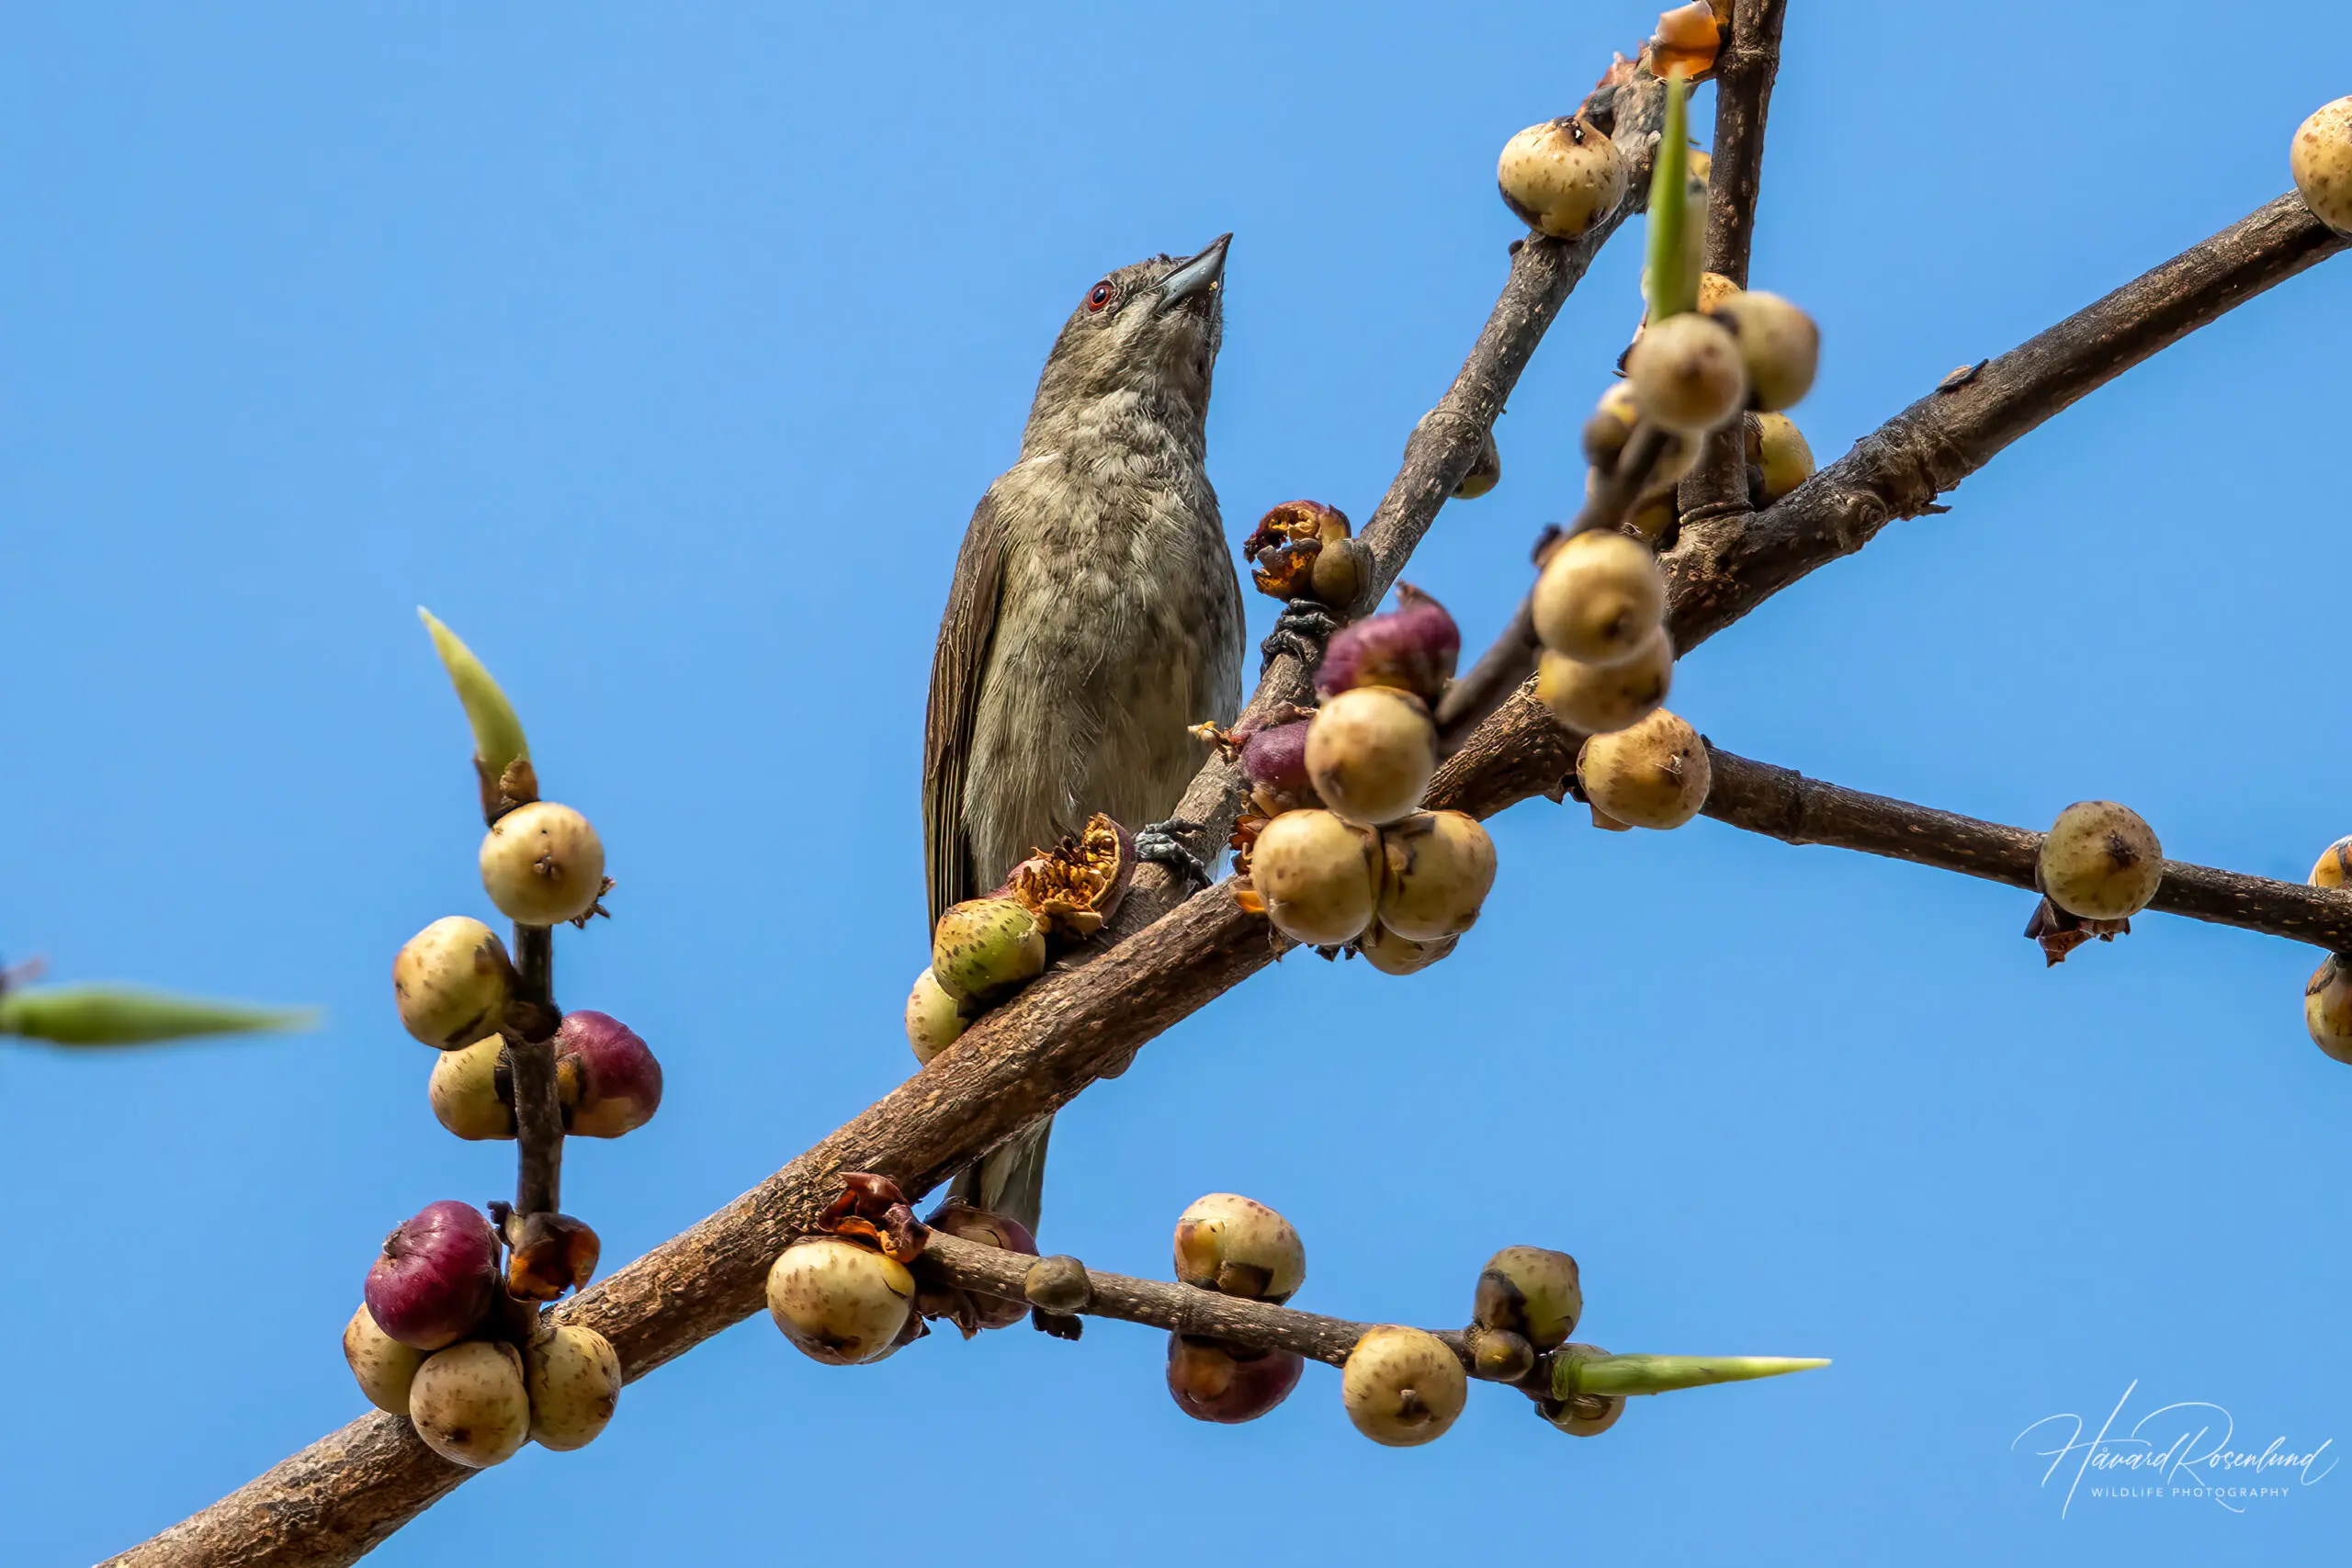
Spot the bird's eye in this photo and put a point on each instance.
(1099, 296)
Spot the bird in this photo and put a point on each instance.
(1094, 618)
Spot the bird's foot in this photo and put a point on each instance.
(1301, 630)
(1161, 841)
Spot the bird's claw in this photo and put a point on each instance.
(1301, 630)
(1159, 841)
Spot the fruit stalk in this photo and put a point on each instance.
(530, 1031)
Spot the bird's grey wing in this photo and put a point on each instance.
(965, 632)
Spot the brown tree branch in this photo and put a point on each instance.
(352, 1489)
(1721, 568)
(1440, 451)
(530, 1053)
(1745, 69)
(1788, 806)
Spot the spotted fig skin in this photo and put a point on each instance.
(383, 1367)
(1652, 775)
(451, 982)
(1533, 1292)
(1318, 874)
(618, 1076)
(838, 1303)
(573, 1378)
(1214, 1381)
(1562, 177)
(2320, 159)
(471, 1092)
(1413, 648)
(935, 1019)
(470, 1404)
(1403, 1387)
(543, 864)
(1239, 1246)
(984, 947)
(2327, 1009)
(1437, 869)
(1599, 597)
(2100, 860)
(437, 1278)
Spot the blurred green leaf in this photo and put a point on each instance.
(498, 733)
(119, 1015)
(1661, 1374)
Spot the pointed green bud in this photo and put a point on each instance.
(114, 1015)
(1670, 278)
(498, 733)
(1658, 1375)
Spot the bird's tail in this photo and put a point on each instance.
(1009, 1179)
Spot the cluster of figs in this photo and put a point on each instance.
(450, 1332)
(1339, 851)
(858, 1287)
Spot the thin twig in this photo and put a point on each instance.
(530, 1053)
(1787, 805)
(1744, 70)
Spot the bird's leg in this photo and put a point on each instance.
(1162, 841)
(1301, 630)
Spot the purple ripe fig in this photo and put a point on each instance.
(1394, 954)
(1370, 752)
(543, 864)
(437, 1276)
(1436, 870)
(1275, 761)
(978, 1225)
(935, 1019)
(1412, 647)
(451, 982)
(606, 1074)
(472, 1091)
(1403, 1386)
(1599, 597)
(1239, 1246)
(1211, 1381)
(983, 948)
(839, 1302)
(469, 1405)
(2100, 860)
(1687, 374)
(573, 1378)
(1599, 699)
(1780, 347)
(383, 1367)
(1531, 1292)
(1318, 876)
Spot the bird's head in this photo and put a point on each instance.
(1147, 332)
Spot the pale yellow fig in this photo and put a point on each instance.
(1595, 699)
(451, 982)
(1533, 1292)
(1781, 452)
(542, 864)
(383, 1367)
(1687, 374)
(2327, 1009)
(1239, 1246)
(840, 1302)
(1403, 1386)
(465, 1091)
(2100, 862)
(1436, 870)
(1394, 954)
(934, 1019)
(1370, 753)
(1653, 773)
(2321, 160)
(1563, 177)
(1780, 347)
(469, 1404)
(1318, 874)
(1611, 425)
(1598, 598)
(573, 1377)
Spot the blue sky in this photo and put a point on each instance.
(663, 350)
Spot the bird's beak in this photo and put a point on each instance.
(1197, 275)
